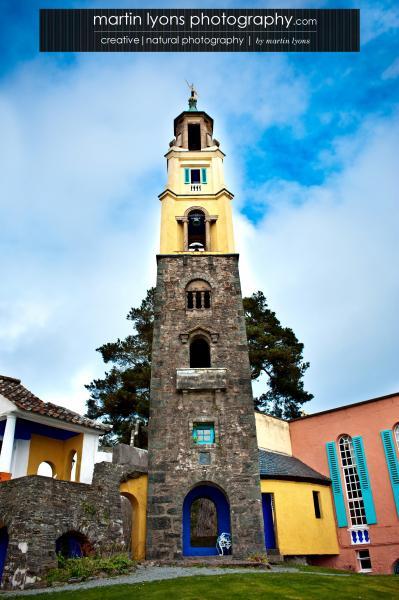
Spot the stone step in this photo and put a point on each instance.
(214, 561)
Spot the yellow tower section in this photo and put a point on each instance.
(196, 206)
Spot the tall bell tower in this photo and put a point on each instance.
(202, 437)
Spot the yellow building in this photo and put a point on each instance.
(41, 438)
(296, 500)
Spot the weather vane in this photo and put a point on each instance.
(192, 101)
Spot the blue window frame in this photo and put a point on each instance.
(204, 433)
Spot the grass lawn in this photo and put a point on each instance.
(245, 587)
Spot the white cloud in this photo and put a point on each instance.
(392, 71)
(83, 149)
(326, 258)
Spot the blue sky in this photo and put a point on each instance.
(311, 143)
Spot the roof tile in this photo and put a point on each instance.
(15, 392)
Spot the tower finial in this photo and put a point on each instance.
(192, 101)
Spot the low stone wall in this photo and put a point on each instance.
(37, 510)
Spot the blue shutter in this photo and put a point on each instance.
(203, 176)
(336, 485)
(364, 480)
(212, 434)
(186, 175)
(392, 463)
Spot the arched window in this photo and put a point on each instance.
(396, 434)
(46, 469)
(353, 490)
(200, 354)
(196, 231)
(198, 295)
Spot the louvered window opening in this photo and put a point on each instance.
(353, 490)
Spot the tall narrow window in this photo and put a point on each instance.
(198, 295)
(194, 136)
(200, 354)
(316, 505)
(353, 490)
(396, 434)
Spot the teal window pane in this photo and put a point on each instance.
(204, 433)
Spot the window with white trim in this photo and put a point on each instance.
(364, 561)
(396, 434)
(354, 496)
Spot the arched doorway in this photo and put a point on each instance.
(201, 540)
(127, 505)
(73, 544)
(3, 549)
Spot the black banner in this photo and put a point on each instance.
(199, 30)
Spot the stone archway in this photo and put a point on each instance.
(219, 500)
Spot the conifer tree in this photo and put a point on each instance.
(121, 397)
(275, 351)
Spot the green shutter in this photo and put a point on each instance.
(364, 480)
(203, 176)
(392, 463)
(186, 175)
(336, 485)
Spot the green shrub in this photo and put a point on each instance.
(90, 566)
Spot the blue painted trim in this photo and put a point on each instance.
(270, 536)
(186, 175)
(223, 517)
(338, 496)
(203, 175)
(24, 430)
(364, 480)
(3, 549)
(392, 464)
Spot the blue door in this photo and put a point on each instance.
(223, 518)
(3, 549)
(268, 521)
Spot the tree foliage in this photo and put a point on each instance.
(275, 351)
(122, 396)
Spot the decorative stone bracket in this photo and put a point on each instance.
(185, 335)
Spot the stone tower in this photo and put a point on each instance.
(202, 438)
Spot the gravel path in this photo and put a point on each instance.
(145, 574)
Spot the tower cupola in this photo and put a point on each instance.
(196, 212)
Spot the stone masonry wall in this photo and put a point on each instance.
(37, 510)
(174, 466)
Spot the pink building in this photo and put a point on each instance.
(358, 447)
